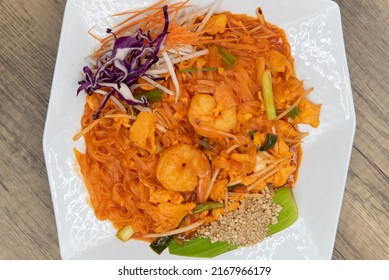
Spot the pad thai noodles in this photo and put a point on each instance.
(189, 113)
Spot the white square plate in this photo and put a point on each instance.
(315, 32)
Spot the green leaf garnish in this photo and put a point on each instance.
(200, 248)
(294, 112)
(203, 248)
(271, 140)
(289, 213)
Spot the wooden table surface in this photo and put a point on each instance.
(29, 34)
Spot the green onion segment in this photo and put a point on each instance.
(227, 57)
(125, 233)
(268, 98)
(207, 206)
(160, 244)
(271, 140)
(294, 112)
(194, 69)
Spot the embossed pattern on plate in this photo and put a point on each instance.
(314, 31)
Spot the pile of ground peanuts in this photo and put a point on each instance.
(245, 226)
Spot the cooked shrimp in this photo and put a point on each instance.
(182, 168)
(211, 115)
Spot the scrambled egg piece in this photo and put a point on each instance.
(280, 63)
(286, 92)
(168, 215)
(259, 138)
(233, 205)
(259, 188)
(286, 129)
(161, 195)
(219, 162)
(218, 190)
(281, 177)
(244, 162)
(216, 24)
(283, 148)
(309, 113)
(142, 131)
(217, 212)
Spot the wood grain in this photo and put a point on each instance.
(363, 231)
(29, 33)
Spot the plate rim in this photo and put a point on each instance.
(351, 120)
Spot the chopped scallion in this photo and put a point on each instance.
(294, 112)
(160, 244)
(267, 91)
(207, 206)
(227, 57)
(194, 69)
(271, 140)
(125, 233)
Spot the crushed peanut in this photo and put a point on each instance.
(245, 226)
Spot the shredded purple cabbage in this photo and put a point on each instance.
(121, 67)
